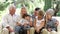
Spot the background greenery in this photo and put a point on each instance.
(30, 4)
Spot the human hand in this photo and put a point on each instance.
(49, 29)
(10, 29)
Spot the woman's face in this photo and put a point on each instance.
(23, 11)
(48, 16)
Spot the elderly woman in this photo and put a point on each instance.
(51, 23)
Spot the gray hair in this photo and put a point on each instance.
(12, 6)
(50, 11)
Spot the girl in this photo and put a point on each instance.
(39, 22)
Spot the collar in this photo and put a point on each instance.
(11, 15)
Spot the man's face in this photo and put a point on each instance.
(23, 11)
(36, 13)
(12, 10)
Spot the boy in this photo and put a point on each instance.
(25, 23)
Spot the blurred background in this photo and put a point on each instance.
(30, 4)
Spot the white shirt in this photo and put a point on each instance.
(9, 20)
(38, 22)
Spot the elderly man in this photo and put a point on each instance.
(9, 20)
(51, 23)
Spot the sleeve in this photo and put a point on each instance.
(5, 22)
(18, 19)
(55, 20)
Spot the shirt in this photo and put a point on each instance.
(33, 18)
(38, 22)
(22, 21)
(51, 24)
(9, 20)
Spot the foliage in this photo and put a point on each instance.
(30, 4)
(3, 5)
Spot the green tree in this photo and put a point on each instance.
(48, 4)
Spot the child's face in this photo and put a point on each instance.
(28, 17)
(40, 16)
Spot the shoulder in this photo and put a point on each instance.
(5, 16)
(43, 20)
(54, 20)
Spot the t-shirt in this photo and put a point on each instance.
(38, 22)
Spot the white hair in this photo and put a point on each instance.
(50, 11)
(12, 6)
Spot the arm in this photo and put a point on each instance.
(18, 24)
(30, 23)
(5, 24)
(56, 23)
(34, 22)
(41, 24)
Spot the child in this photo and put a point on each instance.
(25, 23)
(39, 22)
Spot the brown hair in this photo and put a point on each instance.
(25, 15)
(41, 13)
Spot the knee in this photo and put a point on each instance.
(5, 29)
(32, 29)
(44, 31)
(53, 32)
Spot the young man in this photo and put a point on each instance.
(35, 14)
(39, 22)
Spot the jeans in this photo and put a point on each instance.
(20, 30)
